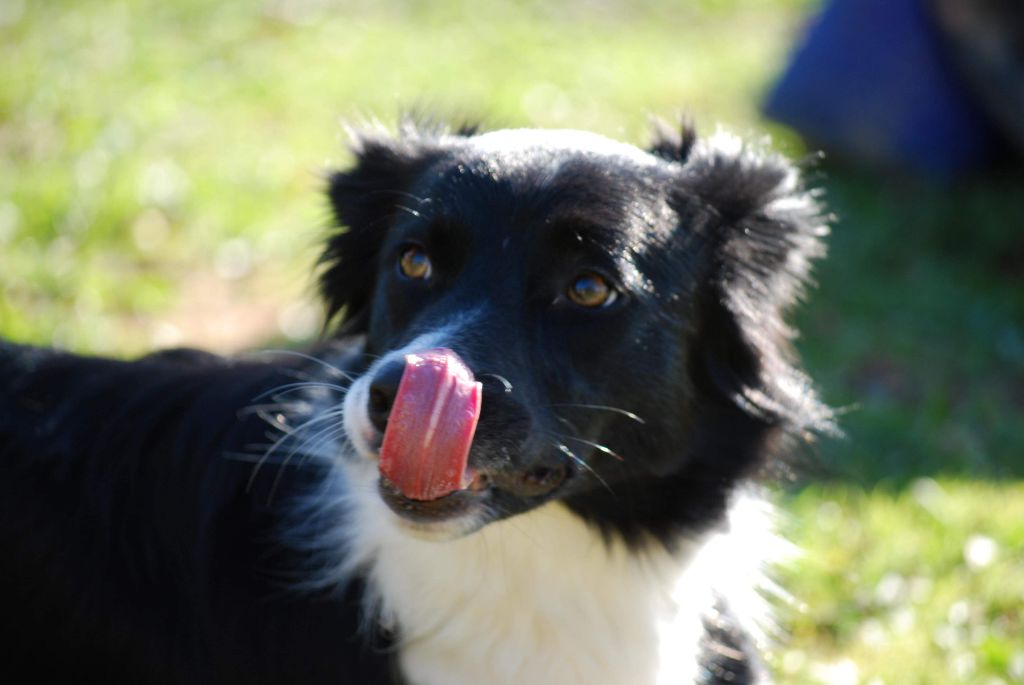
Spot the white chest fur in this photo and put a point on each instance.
(540, 598)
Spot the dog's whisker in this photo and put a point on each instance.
(333, 370)
(308, 445)
(277, 478)
(418, 199)
(277, 405)
(288, 433)
(299, 374)
(267, 414)
(598, 446)
(582, 464)
(335, 413)
(276, 416)
(318, 436)
(301, 385)
(566, 422)
(617, 410)
(248, 457)
(506, 383)
(319, 447)
(408, 210)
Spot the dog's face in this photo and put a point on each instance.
(621, 308)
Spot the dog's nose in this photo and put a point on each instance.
(383, 389)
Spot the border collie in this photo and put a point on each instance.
(529, 452)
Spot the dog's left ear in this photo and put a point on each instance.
(364, 201)
(759, 230)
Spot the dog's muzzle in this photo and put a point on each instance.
(446, 444)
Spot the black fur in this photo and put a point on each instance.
(135, 548)
(142, 542)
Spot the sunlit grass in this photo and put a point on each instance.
(921, 585)
(139, 138)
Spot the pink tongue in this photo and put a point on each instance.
(431, 426)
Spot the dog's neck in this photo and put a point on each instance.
(538, 598)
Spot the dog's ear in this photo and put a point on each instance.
(364, 200)
(673, 144)
(759, 229)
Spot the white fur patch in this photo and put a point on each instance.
(542, 598)
(534, 599)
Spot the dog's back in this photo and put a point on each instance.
(137, 545)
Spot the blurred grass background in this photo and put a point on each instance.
(160, 170)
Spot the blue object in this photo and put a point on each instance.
(871, 82)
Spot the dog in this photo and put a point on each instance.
(530, 450)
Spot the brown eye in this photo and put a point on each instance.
(414, 263)
(591, 290)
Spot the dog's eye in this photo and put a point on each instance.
(591, 290)
(414, 263)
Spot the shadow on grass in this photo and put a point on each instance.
(916, 331)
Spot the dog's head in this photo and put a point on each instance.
(623, 310)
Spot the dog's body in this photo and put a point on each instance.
(622, 313)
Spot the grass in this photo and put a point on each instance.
(927, 350)
(918, 585)
(148, 143)
(160, 168)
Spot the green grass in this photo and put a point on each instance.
(160, 169)
(139, 139)
(914, 586)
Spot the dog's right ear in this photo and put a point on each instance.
(364, 200)
(759, 229)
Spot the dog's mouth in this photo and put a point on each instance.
(488, 494)
(466, 503)
(423, 460)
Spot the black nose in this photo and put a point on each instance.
(383, 389)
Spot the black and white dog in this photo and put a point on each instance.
(529, 455)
